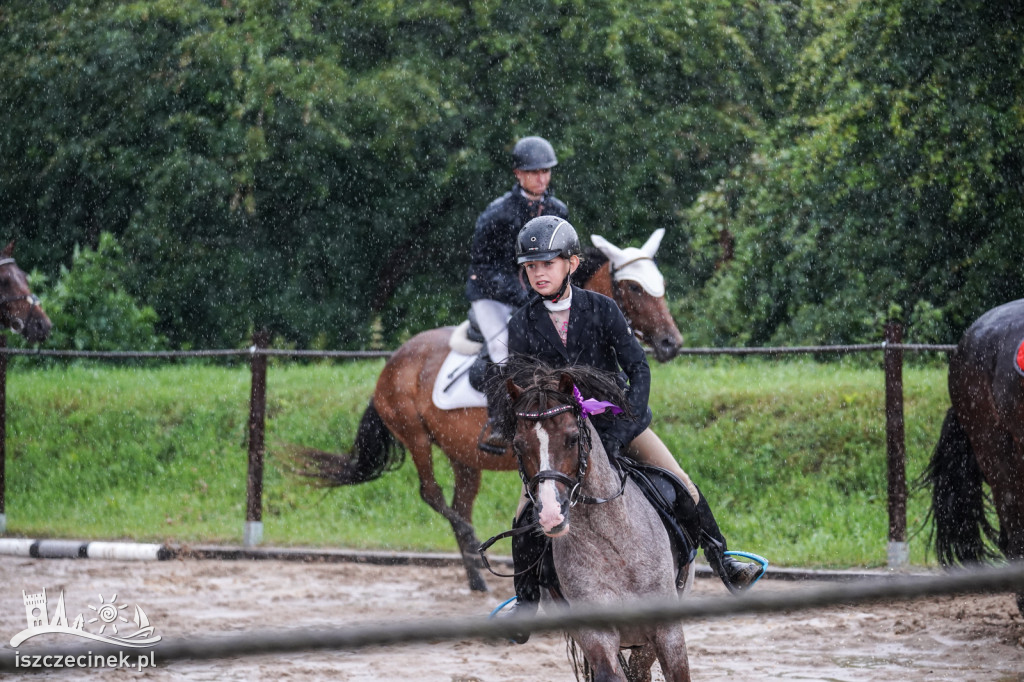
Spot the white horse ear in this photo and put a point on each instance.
(651, 247)
(613, 253)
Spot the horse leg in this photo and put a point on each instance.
(433, 495)
(467, 486)
(601, 649)
(638, 669)
(671, 647)
(1001, 459)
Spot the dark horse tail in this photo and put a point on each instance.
(374, 452)
(958, 499)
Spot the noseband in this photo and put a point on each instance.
(17, 324)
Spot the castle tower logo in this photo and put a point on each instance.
(108, 623)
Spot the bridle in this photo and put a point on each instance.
(575, 485)
(16, 323)
(617, 291)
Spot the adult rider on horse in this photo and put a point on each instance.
(493, 288)
(564, 325)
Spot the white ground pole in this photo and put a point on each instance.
(78, 549)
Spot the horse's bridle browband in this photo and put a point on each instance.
(30, 297)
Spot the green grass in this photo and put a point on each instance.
(791, 455)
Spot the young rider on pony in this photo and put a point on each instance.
(564, 325)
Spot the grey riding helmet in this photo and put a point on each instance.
(546, 238)
(533, 153)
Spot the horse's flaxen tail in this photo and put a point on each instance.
(374, 452)
(958, 499)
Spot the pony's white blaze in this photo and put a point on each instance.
(550, 512)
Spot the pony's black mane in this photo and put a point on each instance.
(539, 382)
(590, 263)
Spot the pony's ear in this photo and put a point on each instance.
(513, 391)
(611, 252)
(650, 247)
(8, 250)
(565, 384)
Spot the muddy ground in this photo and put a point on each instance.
(951, 638)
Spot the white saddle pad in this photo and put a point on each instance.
(452, 389)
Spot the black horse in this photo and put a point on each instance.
(982, 441)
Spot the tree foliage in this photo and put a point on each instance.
(91, 308)
(892, 188)
(316, 166)
(310, 166)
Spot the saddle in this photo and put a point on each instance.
(667, 495)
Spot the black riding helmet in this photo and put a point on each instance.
(533, 153)
(545, 238)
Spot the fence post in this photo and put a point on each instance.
(895, 447)
(253, 534)
(3, 435)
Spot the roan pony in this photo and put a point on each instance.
(608, 543)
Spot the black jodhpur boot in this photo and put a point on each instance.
(737, 575)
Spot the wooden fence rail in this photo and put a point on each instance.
(892, 349)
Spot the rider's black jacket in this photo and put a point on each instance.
(493, 271)
(598, 336)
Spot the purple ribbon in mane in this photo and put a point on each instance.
(590, 406)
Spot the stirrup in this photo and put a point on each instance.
(507, 609)
(757, 559)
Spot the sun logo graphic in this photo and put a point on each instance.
(109, 615)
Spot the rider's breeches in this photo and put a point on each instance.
(648, 448)
(492, 318)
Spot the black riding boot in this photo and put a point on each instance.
(491, 440)
(737, 575)
(527, 552)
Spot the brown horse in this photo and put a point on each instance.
(402, 407)
(19, 307)
(982, 441)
